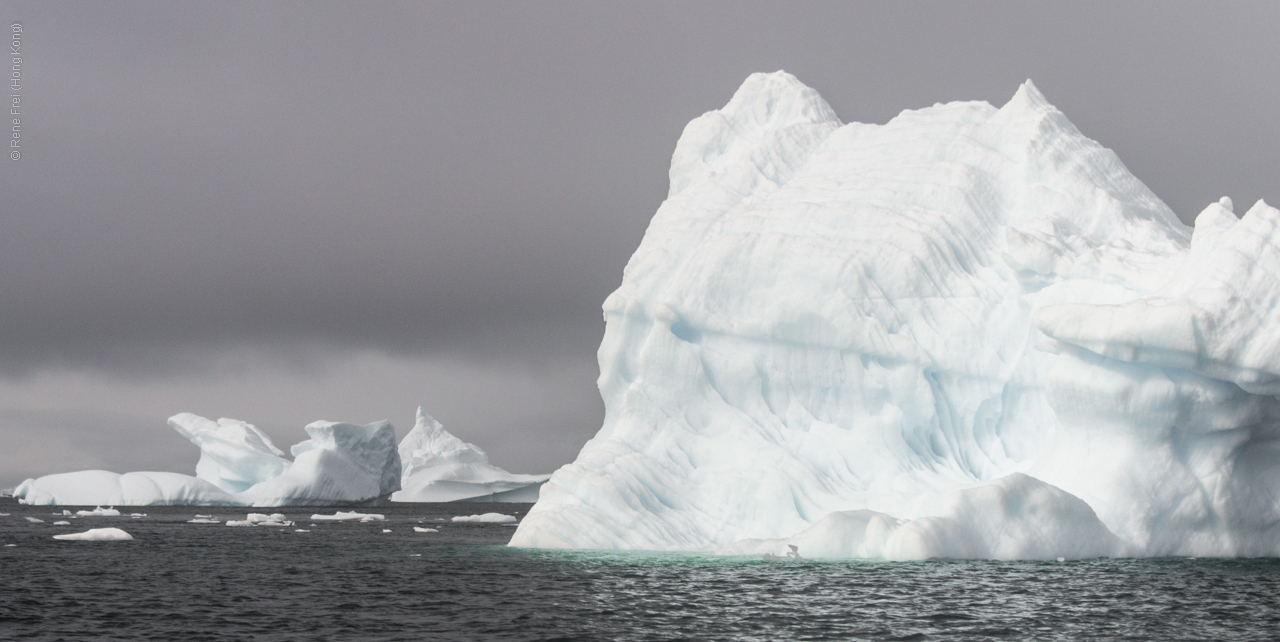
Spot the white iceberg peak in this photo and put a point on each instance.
(439, 467)
(429, 444)
(829, 337)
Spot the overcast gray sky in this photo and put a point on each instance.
(283, 212)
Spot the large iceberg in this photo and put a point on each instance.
(438, 467)
(341, 464)
(969, 332)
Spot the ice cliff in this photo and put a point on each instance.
(969, 332)
(438, 467)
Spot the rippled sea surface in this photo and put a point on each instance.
(351, 581)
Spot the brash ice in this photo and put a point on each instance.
(969, 332)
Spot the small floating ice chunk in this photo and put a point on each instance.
(35, 520)
(9, 545)
(386, 530)
(487, 518)
(341, 516)
(419, 529)
(794, 553)
(259, 518)
(62, 523)
(97, 535)
(1062, 559)
(204, 516)
(410, 554)
(203, 520)
(137, 515)
(301, 530)
(99, 511)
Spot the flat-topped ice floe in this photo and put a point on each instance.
(439, 467)
(969, 332)
(487, 518)
(257, 519)
(349, 516)
(97, 511)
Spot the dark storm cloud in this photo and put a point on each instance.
(469, 179)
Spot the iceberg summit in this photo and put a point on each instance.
(438, 467)
(967, 333)
(340, 465)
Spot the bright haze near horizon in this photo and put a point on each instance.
(286, 212)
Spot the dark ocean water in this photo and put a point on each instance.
(351, 581)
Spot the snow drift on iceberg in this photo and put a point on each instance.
(968, 332)
(438, 467)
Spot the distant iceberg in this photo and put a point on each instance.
(101, 487)
(438, 467)
(969, 332)
(341, 465)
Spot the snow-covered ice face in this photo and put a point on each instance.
(826, 318)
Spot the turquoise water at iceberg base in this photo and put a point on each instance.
(351, 581)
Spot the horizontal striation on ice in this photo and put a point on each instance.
(1218, 315)
(826, 318)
